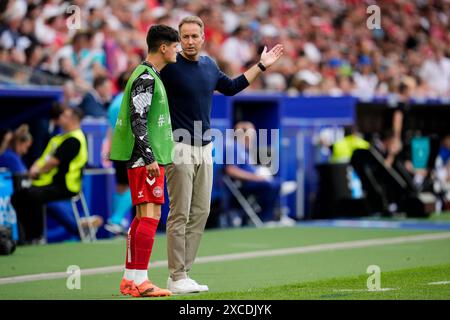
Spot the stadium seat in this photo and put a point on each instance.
(249, 205)
(90, 233)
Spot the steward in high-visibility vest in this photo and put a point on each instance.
(70, 178)
(343, 149)
(62, 162)
(56, 175)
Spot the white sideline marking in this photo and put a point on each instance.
(439, 282)
(244, 255)
(364, 290)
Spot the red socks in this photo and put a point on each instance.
(131, 257)
(143, 242)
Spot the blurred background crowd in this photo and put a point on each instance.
(328, 47)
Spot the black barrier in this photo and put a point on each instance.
(429, 119)
(334, 196)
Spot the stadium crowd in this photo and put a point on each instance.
(328, 47)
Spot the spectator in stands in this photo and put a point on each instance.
(34, 56)
(91, 60)
(95, 102)
(20, 143)
(331, 35)
(10, 37)
(435, 71)
(50, 25)
(56, 175)
(88, 60)
(71, 51)
(238, 49)
(366, 81)
(307, 79)
(255, 179)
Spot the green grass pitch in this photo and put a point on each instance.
(407, 269)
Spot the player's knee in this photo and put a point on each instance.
(157, 214)
(149, 210)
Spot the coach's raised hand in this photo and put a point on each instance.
(269, 58)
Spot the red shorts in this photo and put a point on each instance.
(145, 189)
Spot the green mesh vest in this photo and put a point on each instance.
(158, 123)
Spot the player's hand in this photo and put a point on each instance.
(153, 169)
(269, 58)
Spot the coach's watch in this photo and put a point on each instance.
(261, 66)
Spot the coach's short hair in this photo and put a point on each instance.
(161, 34)
(193, 19)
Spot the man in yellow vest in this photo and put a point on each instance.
(343, 149)
(56, 175)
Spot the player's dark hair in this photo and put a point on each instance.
(161, 34)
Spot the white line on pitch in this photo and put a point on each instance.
(364, 290)
(439, 282)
